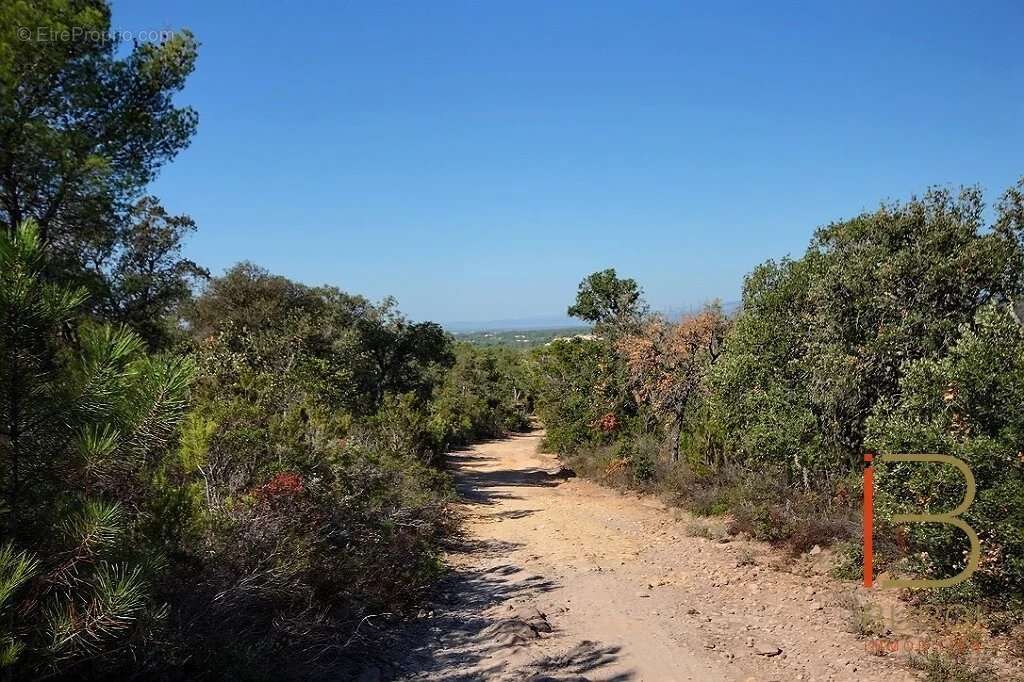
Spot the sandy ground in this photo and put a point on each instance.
(563, 579)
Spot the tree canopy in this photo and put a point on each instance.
(83, 131)
(611, 303)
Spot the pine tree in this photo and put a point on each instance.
(84, 412)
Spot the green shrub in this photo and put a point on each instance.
(580, 395)
(290, 517)
(87, 415)
(969, 404)
(820, 340)
(483, 395)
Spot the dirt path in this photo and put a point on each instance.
(567, 580)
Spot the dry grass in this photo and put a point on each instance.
(746, 557)
(862, 620)
(942, 667)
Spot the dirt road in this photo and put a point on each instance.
(563, 579)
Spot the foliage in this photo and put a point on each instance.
(895, 331)
(638, 379)
(759, 387)
(485, 394)
(895, 286)
(82, 132)
(668, 364)
(304, 496)
(958, 666)
(569, 381)
(290, 496)
(612, 304)
(959, 405)
(821, 340)
(359, 351)
(84, 418)
(580, 384)
(399, 356)
(147, 278)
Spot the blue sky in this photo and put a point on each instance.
(477, 159)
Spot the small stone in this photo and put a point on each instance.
(768, 650)
(815, 550)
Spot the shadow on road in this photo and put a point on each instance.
(585, 657)
(463, 631)
(478, 483)
(473, 629)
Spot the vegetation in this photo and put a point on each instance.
(665, 364)
(956, 667)
(483, 395)
(195, 486)
(520, 338)
(895, 332)
(273, 483)
(87, 414)
(967, 403)
(82, 133)
(199, 475)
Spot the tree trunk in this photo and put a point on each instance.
(676, 430)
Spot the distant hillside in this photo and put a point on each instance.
(518, 338)
(528, 332)
(549, 322)
(560, 323)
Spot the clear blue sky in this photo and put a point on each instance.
(476, 159)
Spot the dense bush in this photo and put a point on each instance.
(570, 379)
(87, 415)
(266, 491)
(893, 331)
(484, 394)
(820, 340)
(759, 389)
(306, 484)
(970, 404)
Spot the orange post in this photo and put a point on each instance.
(869, 527)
